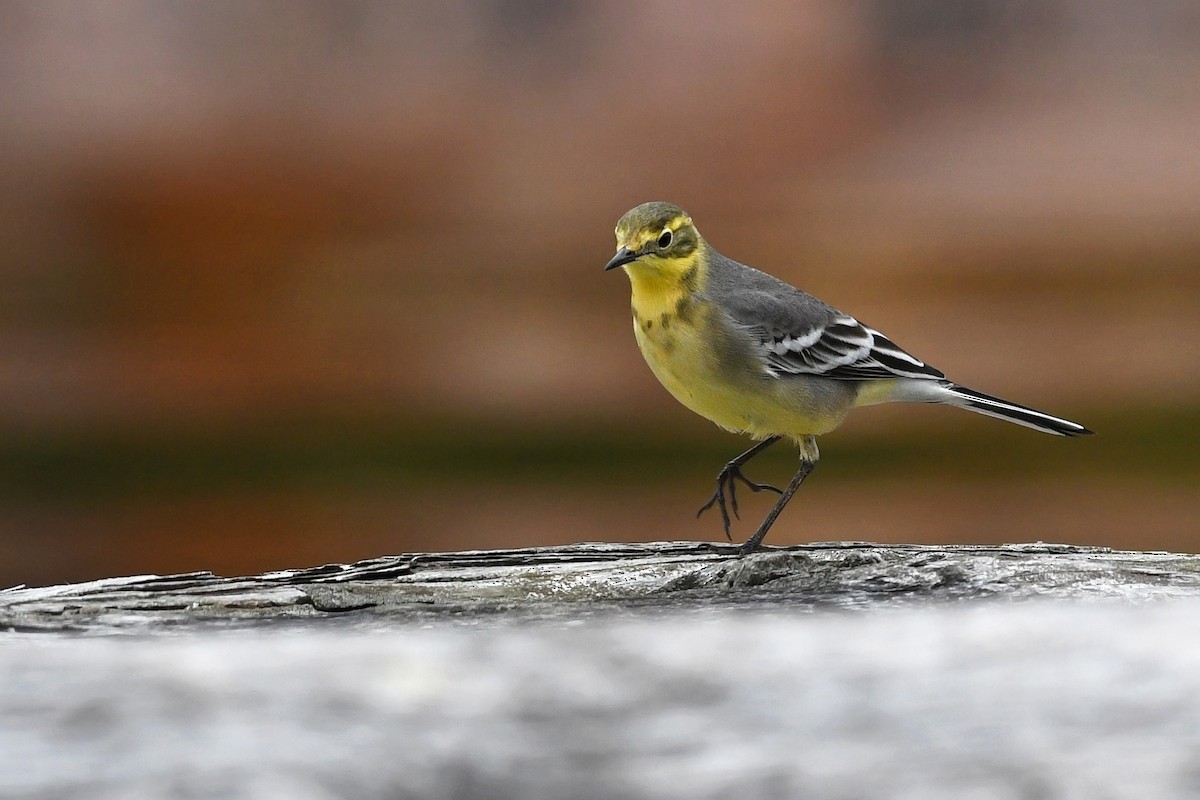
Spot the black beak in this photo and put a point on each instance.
(623, 256)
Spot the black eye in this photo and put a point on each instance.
(664, 238)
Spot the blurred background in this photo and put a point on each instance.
(284, 283)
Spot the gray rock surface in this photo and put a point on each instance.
(604, 671)
(567, 582)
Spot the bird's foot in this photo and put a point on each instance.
(727, 483)
(749, 547)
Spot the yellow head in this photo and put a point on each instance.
(658, 238)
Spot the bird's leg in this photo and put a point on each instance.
(752, 544)
(727, 480)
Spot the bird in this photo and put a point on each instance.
(757, 356)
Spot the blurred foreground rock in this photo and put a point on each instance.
(598, 671)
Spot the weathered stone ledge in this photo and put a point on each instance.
(553, 582)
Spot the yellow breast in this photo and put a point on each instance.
(677, 333)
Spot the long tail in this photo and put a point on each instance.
(981, 403)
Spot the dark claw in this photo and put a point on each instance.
(727, 481)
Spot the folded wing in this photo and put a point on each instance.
(801, 336)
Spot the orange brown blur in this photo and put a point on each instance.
(237, 236)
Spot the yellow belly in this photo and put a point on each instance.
(736, 396)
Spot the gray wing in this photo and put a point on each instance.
(800, 335)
